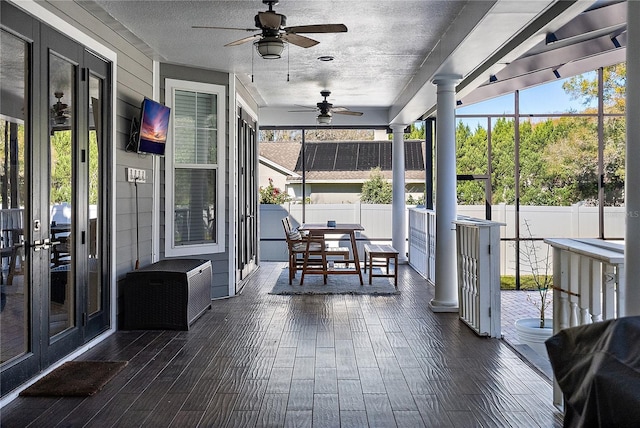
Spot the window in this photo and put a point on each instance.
(194, 168)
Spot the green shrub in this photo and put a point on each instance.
(376, 190)
(272, 195)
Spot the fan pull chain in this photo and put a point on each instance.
(288, 56)
(252, 55)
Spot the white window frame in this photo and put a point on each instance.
(171, 250)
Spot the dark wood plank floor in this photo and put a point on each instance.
(259, 360)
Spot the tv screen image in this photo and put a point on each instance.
(154, 125)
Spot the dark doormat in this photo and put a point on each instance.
(75, 379)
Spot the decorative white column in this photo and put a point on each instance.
(399, 209)
(446, 286)
(630, 294)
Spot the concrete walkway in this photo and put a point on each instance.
(520, 304)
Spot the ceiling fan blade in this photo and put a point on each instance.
(348, 112)
(302, 111)
(298, 40)
(222, 28)
(270, 19)
(244, 40)
(320, 28)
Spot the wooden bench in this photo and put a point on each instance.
(387, 252)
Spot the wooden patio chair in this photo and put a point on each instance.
(297, 246)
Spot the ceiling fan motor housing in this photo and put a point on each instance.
(325, 108)
(270, 20)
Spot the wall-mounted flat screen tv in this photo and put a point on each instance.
(154, 125)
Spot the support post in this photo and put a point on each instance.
(631, 304)
(399, 209)
(446, 281)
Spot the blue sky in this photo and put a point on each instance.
(547, 98)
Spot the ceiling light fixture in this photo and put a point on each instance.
(270, 47)
(324, 118)
(325, 58)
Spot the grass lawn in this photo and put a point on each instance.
(508, 282)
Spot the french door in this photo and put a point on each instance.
(247, 209)
(54, 276)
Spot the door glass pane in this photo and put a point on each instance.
(94, 294)
(61, 120)
(195, 199)
(14, 290)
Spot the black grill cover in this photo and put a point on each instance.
(598, 369)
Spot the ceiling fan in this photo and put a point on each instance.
(326, 109)
(59, 110)
(270, 41)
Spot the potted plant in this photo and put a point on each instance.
(534, 331)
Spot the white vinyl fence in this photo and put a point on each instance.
(576, 221)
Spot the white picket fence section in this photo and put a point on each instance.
(478, 249)
(422, 242)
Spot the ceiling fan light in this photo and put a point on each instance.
(324, 119)
(270, 47)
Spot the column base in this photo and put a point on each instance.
(437, 306)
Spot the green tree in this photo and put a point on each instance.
(471, 152)
(585, 87)
(417, 132)
(376, 190)
(502, 159)
(61, 167)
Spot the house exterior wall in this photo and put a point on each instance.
(266, 172)
(219, 261)
(134, 82)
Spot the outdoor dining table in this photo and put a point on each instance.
(342, 229)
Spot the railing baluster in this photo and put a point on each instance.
(595, 296)
(621, 289)
(585, 287)
(574, 288)
(608, 291)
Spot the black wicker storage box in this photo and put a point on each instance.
(167, 295)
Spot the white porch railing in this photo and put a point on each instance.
(588, 284)
(478, 254)
(422, 242)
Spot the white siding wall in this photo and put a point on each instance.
(134, 82)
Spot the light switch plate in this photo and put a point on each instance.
(136, 175)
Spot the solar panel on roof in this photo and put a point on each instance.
(413, 160)
(320, 156)
(368, 156)
(386, 152)
(358, 156)
(346, 157)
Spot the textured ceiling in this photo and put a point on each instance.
(385, 63)
(385, 44)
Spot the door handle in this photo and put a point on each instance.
(44, 244)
